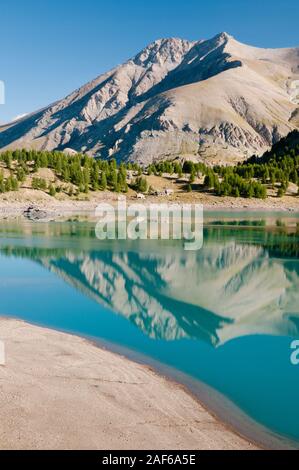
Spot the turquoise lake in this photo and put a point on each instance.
(225, 315)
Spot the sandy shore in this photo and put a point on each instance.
(14, 204)
(59, 391)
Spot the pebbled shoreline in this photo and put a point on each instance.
(63, 208)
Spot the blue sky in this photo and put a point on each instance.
(51, 47)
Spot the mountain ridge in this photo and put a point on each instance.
(212, 100)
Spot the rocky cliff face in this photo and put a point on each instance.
(214, 100)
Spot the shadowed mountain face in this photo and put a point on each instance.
(225, 291)
(216, 100)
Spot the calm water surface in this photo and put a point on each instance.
(225, 315)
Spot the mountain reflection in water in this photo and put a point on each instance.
(230, 288)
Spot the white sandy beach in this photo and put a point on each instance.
(59, 391)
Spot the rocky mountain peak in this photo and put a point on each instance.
(215, 100)
(222, 37)
(163, 50)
